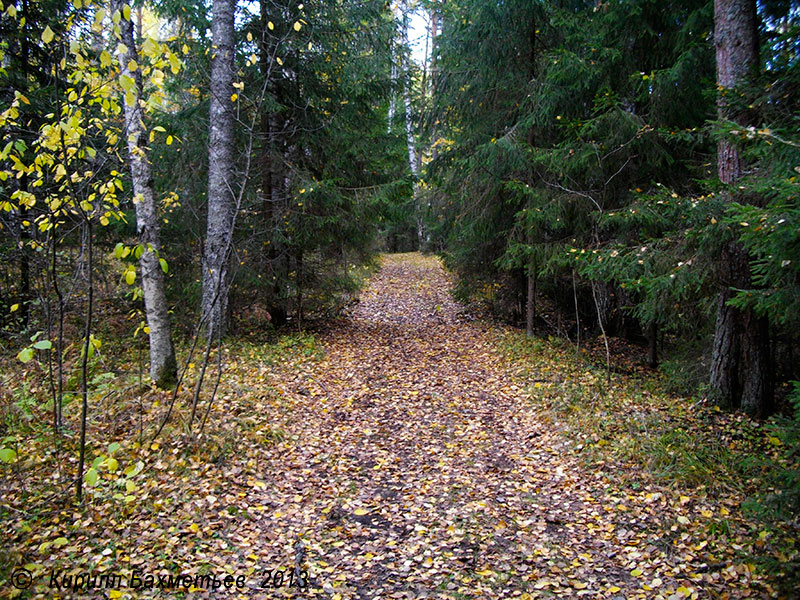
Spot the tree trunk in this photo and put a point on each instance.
(530, 312)
(221, 205)
(392, 84)
(433, 68)
(163, 367)
(412, 151)
(406, 73)
(275, 305)
(741, 370)
(652, 344)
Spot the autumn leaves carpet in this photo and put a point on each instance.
(420, 470)
(396, 454)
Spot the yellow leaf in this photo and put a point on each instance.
(636, 572)
(126, 83)
(193, 527)
(270, 26)
(47, 35)
(297, 26)
(14, 307)
(126, 12)
(150, 48)
(775, 441)
(234, 97)
(360, 512)
(155, 446)
(174, 63)
(114, 594)
(130, 276)
(249, 37)
(169, 140)
(278, 60)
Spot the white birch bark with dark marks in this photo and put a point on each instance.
(413, 159)
(163, 367)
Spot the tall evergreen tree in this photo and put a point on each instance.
(221, 198)
(741, 373)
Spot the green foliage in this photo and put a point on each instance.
(581, 152)
(321, 177)
(8, 455)
(587, 116)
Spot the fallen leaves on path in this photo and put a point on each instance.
(409, 461)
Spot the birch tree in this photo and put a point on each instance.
(163, 367)
(413, 161)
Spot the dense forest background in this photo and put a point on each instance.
(563, 158)
(175, 176)
(575, 170)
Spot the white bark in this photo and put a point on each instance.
(404, 50)
(392, 101)
(413, 161)
(163, 367)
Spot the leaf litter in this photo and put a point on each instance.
(397, 454)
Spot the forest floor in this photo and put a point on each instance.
(406, 451)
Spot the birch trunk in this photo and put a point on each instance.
(392, 85)
(163, 367)
(221, 204)
(404, 51)
(413, 162)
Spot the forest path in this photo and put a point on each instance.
(419, 469)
